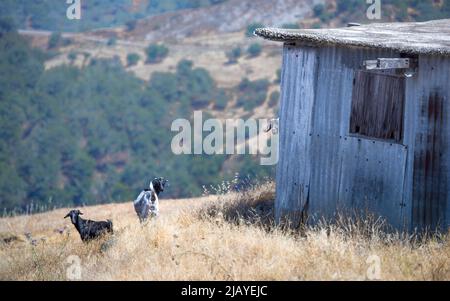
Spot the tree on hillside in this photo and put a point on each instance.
(252, 93)
(112, 42)
(132, 59)
(320, 12)
(54, 40)
(318, 9)
(233, 55)
(72, 56)
(131, 25)
(156, 53)
(254, 50)
(7, 24)
(72, 136)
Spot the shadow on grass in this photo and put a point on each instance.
(255, 206)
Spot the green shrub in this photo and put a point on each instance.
(321, 13)
(318, 9)
(221, 101)
(254, 50)
(156, 53)
(112, 42)
(252, 93)
(72, 56)
(7, 24)
(130, 25)
(234, 54)
(326, 17)
(132, 59)
(55, 40)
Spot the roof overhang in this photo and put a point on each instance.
(430, 38)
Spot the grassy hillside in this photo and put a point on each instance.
(229, 238)
(69, 115)
(96, 133)
(51, 14)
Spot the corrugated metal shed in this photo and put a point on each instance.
(325, 166)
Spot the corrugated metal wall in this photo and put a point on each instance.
(293, 182)
(429, 94)
(326, 170)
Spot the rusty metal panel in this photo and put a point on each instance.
(430, 191)
(430, 174)
(372, 178)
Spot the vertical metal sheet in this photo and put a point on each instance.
(372, 178)
(293, 171)
(331, 122)
(430, 168)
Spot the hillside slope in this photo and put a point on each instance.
(106, 154)
(51, 14)
(230, 16)
(204, 239)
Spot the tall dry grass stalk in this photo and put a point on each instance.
(226, 237)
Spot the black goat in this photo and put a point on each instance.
(89, 229)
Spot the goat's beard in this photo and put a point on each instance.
(72, 218)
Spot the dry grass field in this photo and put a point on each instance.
(226, 237)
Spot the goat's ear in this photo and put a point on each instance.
(80, 213)
(68, 214)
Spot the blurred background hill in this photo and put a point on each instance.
(86, 106)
